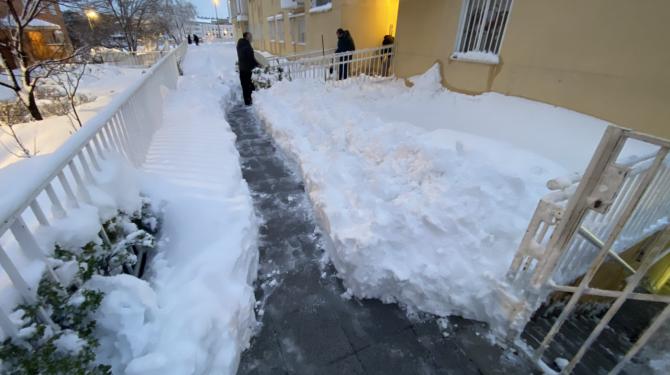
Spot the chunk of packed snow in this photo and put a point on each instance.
(476, 56)
(69, 343)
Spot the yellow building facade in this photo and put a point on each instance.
(605, 58)
(286, 27)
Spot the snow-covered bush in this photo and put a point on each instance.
(264, 77)
(68, 345)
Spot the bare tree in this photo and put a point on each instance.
(173, 17)
(68, 79)
(25, 81)
(7, 124)
(131, 16)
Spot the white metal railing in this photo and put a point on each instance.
(276, 60)
(338, 66)
(588, 219)
(125, 126)
(130, 59)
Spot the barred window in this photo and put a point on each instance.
(481, 29)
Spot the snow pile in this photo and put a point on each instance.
(101, 82)
(79, 227)
(423, 215)
(201, 316)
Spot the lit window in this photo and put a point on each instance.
(481, 30)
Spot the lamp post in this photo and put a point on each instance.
(216, 13)
(91, 15)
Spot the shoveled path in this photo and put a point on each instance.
(308, 326)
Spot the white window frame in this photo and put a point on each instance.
(297, 36)
(476, 44)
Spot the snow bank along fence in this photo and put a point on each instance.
(616, 204)
(125, 127)
(370, 62)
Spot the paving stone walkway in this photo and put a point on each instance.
(308, 327)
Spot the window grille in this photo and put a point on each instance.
(482, 26)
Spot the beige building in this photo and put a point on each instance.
(605, 58)
(285, 27)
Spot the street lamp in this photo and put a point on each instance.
(91, 15)
(216, 12)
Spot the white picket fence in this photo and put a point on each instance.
(376, 62)
(125, 127)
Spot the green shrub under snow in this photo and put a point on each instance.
(67, 345)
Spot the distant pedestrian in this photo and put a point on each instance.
(188, 38)
(196, 39)
(345, 43)
(246, 63)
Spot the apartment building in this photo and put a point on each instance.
(605, 58)
(285, 27)
(46, 34)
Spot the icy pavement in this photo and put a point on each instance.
(308, 325)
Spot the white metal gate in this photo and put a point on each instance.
(587, 221)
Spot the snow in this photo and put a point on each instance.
(101, 82)
(69, 342)
(476, 56)
(200, 316)
(79, 227)
(426, 193)
(321, 8)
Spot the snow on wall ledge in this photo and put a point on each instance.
(423, 216)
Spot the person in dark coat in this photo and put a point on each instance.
(387, 56)
(246, 64)
(188, 39)
(345, 43)
(196, 39)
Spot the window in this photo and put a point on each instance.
(280, 28)
(272, 30)
(298, 28)
(58, 37)
(481, 30)
(321, 6)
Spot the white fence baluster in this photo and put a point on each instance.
(15, 276)
(57, 209)
(39, 214)
(25, 239)
(87, 170)
(86, 197)
(91, 155)
(72, 199)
